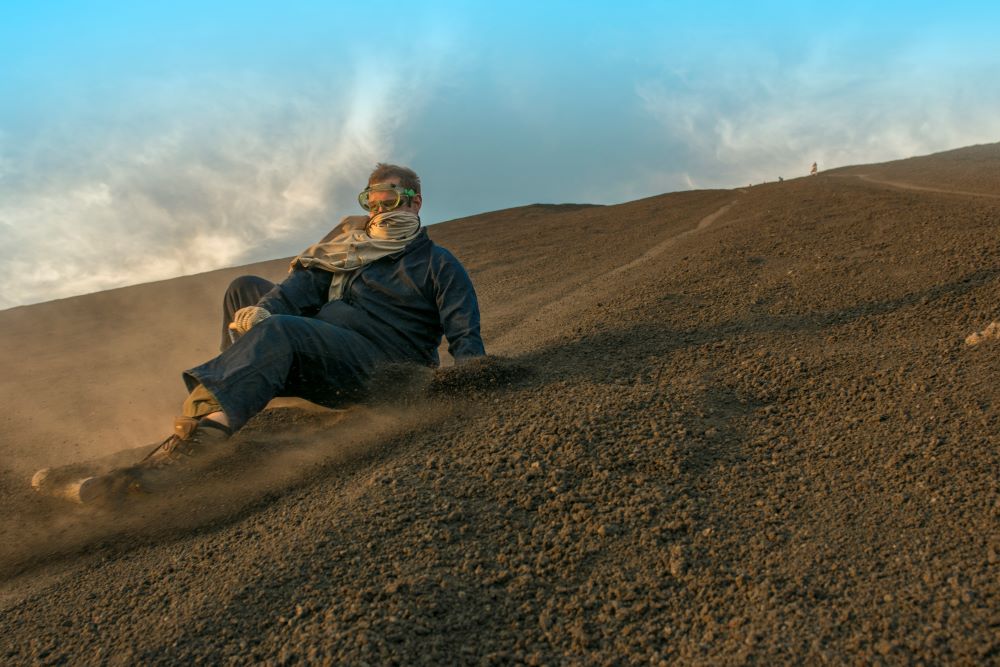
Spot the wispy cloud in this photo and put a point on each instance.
(192, 175)
(764, 119)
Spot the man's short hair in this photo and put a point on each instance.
(405, 177)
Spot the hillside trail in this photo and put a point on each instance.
(537, 328)
(903, 185)
(666, 244)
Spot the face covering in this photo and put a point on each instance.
(358, 241)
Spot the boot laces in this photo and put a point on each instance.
(171, 450)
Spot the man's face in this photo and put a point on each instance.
(389, 197)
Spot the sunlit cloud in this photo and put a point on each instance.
(156, 192)
(765, 121)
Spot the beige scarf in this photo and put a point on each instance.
(357, 242)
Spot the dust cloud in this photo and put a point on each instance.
(282, 448)
(92, 375)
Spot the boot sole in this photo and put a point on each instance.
(82, 490)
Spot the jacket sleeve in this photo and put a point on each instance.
(458, 307)
(303, 292)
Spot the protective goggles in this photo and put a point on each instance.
(385, 203)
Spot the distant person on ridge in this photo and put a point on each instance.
(374, 290)
(813, 169)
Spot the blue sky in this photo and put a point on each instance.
(140, 141)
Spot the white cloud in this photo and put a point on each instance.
(758, 123)
(193, 175)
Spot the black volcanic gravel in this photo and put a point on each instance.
(760, 441)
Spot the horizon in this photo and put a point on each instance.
(146, 143)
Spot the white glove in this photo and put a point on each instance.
(244, 318)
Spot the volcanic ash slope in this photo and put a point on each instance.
(750, 431)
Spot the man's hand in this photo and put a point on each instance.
(244, 318)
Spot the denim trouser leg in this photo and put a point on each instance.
(242, 292)
(287, 355)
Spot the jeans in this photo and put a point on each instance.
(284, 355)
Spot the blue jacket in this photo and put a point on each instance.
(403, 303)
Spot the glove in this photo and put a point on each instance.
(244, 318)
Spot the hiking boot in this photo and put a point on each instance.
(192, 447)
(192, 439)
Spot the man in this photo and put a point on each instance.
(374, 290)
